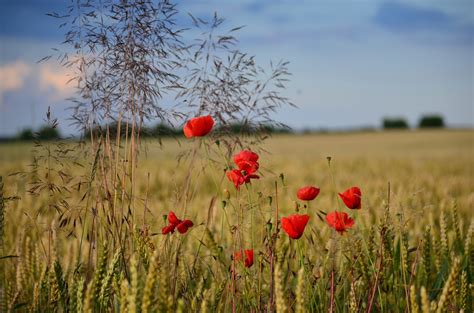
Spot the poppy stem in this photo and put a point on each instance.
(272, 252)
(187, 183)
(300, 253)
(249, 194)
(270, 305)
(277, 206)
(331, 307)
(333, 183)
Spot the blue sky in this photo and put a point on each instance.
(353, 62)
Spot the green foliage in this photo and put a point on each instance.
(47, 132)
(26, 134)
(394, 123)
(431, 121)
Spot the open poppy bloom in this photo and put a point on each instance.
(248, 257)
(352, 198)
(340, 221)
(246, 160)
(174, 222)
(198, 126)
(238, 178)
(294, 225)
(307, 193)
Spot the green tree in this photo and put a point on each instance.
(48, 133)
(431, 121)
(26, 134)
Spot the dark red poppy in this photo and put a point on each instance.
(198, 126)
(294, 225)
(246, 160)
(248, 257)
(307, 193)
(352, 198)
(340, 221)
(239, 178)
(175, 222)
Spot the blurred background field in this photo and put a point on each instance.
(426, 169)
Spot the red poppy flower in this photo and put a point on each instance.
(248, 257)
(246, 160)
(340, 221)
(352, 198)
(198, 126)
(308, 193)
(175, 222)
(238, 178)
(294, 225)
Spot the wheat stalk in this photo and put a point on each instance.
(449, 286)
(425, 302)
(300, 292)
(413, 302)
(281, 306)
(150, 282)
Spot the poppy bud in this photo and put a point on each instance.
(296, 206)
(226, 194)
(282, 177)
(224, 204)
(269, 227)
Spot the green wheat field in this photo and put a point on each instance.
(65, 248)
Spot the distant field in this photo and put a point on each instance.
(422, 166)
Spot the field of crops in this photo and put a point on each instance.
(410, 249)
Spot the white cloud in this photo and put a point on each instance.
(55, 79)
(13, 76)
(51, 80)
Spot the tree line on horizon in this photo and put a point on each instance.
(163, 130)
(426, 121)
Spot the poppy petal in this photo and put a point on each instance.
(236, 177)
(168, 229)
(248, 258)
(173, 219)
(188, 132)
(184, 226)
(340, 221)
(245, 156)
